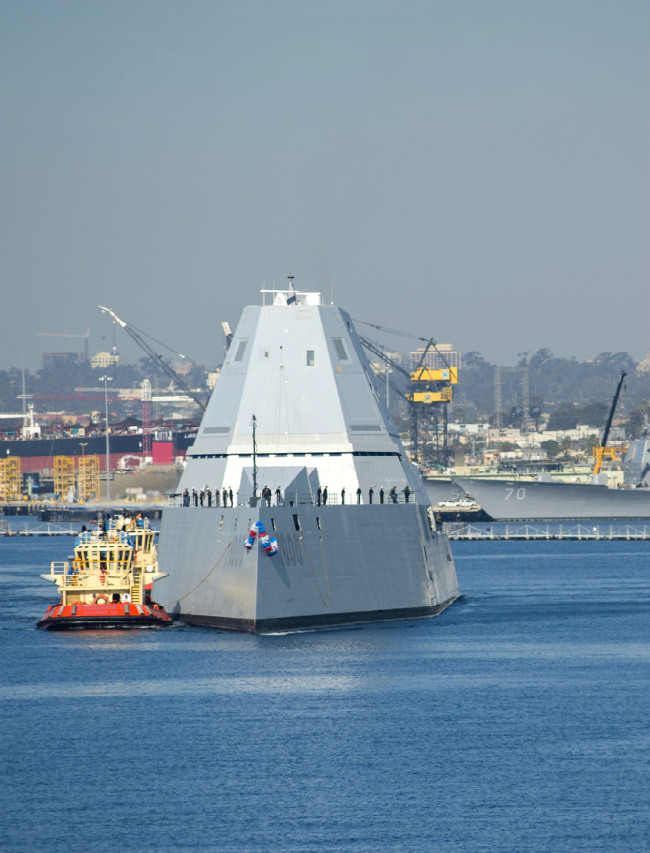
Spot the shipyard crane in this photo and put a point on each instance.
(389, 362)
(130, 330)
(599, 452)
(85, 338)
(427, 389)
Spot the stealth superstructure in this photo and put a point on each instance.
(298, 447)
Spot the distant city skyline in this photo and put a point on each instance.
(475, 172)
(408, 357)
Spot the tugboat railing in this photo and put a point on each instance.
(114, 573)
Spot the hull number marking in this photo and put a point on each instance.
(519, 493)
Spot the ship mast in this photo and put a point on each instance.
(254, 425)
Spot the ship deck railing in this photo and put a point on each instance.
(294, 499)
(110, 537)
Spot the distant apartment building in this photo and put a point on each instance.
(104, 359)
(51, 360)
(379, 367)
(438, 358)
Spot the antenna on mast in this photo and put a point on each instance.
(292, 296)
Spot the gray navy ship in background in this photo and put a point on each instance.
(539, 500)
(293, 451)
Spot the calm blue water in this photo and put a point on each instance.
(516, 721)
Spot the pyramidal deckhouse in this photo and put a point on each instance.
(284, 518)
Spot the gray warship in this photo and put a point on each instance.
(284, 518)
(540, 500)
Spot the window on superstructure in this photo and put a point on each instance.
(339, 346)
(311, 360)
(240, 350)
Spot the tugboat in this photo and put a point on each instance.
(107, 583)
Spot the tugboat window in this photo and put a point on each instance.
(310, 358)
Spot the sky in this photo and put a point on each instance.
(474, 172)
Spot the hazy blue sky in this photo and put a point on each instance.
(473, 171)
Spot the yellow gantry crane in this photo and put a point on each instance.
(428, 395)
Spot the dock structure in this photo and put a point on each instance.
(36, 528)
(455, 531)
(548, 532)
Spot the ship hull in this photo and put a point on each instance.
(512, 500)
(338, 565)
(314, 622)
(74, 617)
(38, 455)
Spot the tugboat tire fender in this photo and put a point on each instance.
(100, 599)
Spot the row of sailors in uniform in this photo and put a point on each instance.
(225, 497)
(203, 497)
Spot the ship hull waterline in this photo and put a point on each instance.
(314, 622)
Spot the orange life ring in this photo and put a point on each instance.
(104, 599)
